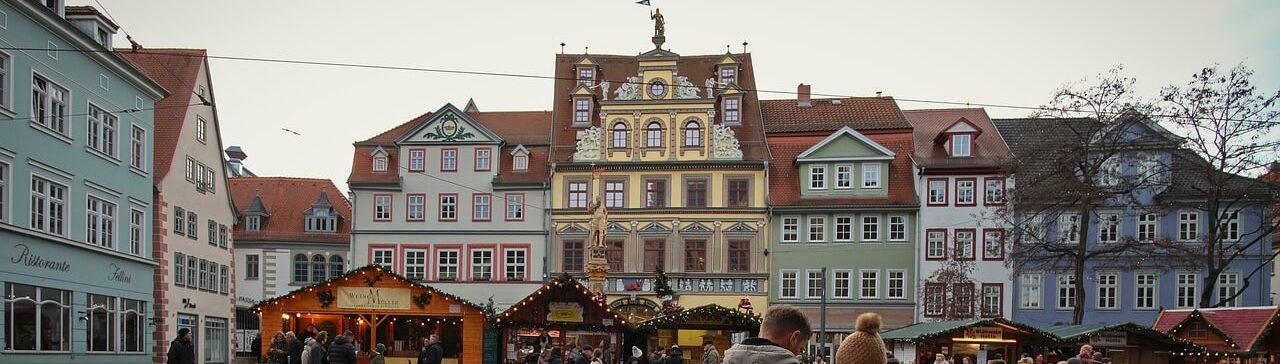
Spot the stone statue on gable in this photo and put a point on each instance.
(629, 90)
(685, 89)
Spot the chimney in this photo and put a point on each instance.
(802, 96)
(234, 152)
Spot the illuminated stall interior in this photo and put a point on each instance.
(692, 327)
(1126, 343)
(563, 312)
(978, 339)
(379, 306)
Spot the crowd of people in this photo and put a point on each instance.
(311, 346)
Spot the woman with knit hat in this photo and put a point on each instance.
(864, 346)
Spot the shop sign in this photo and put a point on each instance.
(1116, 338)
(984, 333)
(531, 332)
(373, 298)
(24, 256)
(564, 312)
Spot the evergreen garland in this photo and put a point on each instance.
(662, 285)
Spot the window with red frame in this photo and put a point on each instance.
(993, 191)
(992, 244)
(417, 160)
(962, 300)
(573, 256)
(964, 244)
(448, 207)
(483, 159)
(966, 190)
(695, 255)
(448, 160)
(992, 299)
(935, 299)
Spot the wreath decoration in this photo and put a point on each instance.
(422, 300)
(326, 298)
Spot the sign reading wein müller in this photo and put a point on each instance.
(373, 298)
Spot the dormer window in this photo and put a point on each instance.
(320, 218)
(103, 37)
(520, 162)
(54, 5)
(380, 164)
(961, 145)
(586, 76)
(728, 74)
(581, 110)
(732, 110)
(253, 223)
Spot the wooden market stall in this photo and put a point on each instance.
(1242, 335)
(692, 327)
(978, 339)
(380, 306)
(1124, 343)
(561, 313)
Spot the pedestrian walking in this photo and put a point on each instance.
(296, 347)
(181, 351)
(342, 350)
(379, 356)
(709, 354)
(432, 352)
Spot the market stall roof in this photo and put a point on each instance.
(706, 317)
(1076, 334)
(536, 311)
(371, 274)
(1242, 329)
(926, 331)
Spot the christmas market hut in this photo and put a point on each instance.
(690, 328)
(1233, 334)
(1123, 343)
(379, 306)
(978, 339)
(562, 313)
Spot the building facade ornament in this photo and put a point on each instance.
(685, 89)
(629, 90)
(724, 144)
(590, 141)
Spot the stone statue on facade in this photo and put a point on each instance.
(604, 89)
(597, 227)
(629, 90)
(589, 144)
(685, 89)
(711, 87)
(659, 25)
(724, 144)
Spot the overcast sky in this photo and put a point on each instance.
(1000, 52)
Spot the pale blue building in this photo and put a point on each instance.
(75, 189)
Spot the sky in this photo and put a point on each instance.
(1009, 52)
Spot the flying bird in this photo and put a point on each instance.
(291, 131)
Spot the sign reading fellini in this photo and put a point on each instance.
(373, 298)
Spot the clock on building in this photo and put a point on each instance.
(657, 89)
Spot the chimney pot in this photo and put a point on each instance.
(802, 96)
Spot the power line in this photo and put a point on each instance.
(124, 111)
(545, 77)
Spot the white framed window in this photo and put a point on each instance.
(1066, 291)
(964, 243)
(215, 340)
(515, 206)
(1146, 292)
(223, 275)
(844, 176)
(448, 207)
(483, 159)
(1108, 284)
(417, 160)
(134, 330)
(1030, 291)
(415, 263)
(871, 175)
(790, 229)
(516, 263)
(384, 257)
(1069, 228)
(788, 280)
(692, 134)
(896, 284)
(101, 131)
(520, 162)
(653, 135)
(6, 76)
(4, 192)
(101, 327)
(937, 192)
(844, 228)
(1148, 227)
(1109, 228)
(868, 284)
(1188, 226)
(1231, 226)
(577, 194)
(138, 148)
(482, 264)
(993, 190)
(614, 193)
(897, 228)
(253, 223)
(581, 110)
(966, 189)
(179, 269)
(960, 145)
(415, 207)
(870, 228)
(137, 230)
(192, 220)
(379, 164)
(842, 280)
(992, 244)
(732, 110)
(481, 207)
(50, 105)
(191, 170)
(447, 265)
(817, 229)
(193, 272)
(936, 244)
(813, 283)
(935, 297)
(382, 207)
(1228, 285)
(619, 136)
(1188, 283)
(817, 177)
(251, 267)
(48, 206)
(448, 160)
(202, 129)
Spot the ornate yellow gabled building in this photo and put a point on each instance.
(679, 145)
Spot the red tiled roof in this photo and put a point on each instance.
(517, 127)
(860, 113)
(616, 69)
(538, 167)
(784, 173)
(989, 149)
(286, 199)
(177, 71)
(1243, 325)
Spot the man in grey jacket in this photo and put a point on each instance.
(783, 335)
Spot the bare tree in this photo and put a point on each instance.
(1068, 176)
(951, 275)
(1228, 125)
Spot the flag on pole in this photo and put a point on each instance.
(643, 2)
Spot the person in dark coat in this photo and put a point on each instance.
(181, 351)
(342, 350)
(555, 356)
(432, 352)
(255, 348)
(295, 348)
(675, 355)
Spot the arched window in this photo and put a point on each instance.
(317, 268)
(653, 135)
(619, 135)
(692, 134)
(335, 266)
(300, 268)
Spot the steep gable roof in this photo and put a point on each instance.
(988, 149)
(811, 153)
(1241, 328)
(827, 115)
(177, 70)
(286, 200)
(784, 173)
(449, 113)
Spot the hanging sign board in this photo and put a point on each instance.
(1115, 338)
(984, 333)
(564, 312)
(373, 298)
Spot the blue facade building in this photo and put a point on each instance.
(1156, 213)
(75, 189)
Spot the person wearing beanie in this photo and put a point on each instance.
(864, 346)
(377, 357)
(181, 351)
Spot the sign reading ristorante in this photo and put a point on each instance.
(373, 298)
